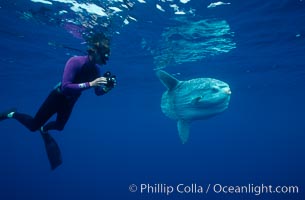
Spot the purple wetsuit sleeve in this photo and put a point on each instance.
(72, 67)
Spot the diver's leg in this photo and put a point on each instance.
(47, 109)
(26, 120)
(63, 114)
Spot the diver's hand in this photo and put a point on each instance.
(98, 82)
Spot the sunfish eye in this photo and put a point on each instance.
(215, 89)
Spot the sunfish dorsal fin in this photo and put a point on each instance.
(168, 80)
(184, 130)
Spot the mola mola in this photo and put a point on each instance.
(195, 99)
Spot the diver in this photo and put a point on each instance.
(80, 73)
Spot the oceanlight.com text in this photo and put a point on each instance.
(195, 188)
(255, 189)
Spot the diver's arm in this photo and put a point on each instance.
(72, 67)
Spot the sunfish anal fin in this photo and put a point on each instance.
(184, 130)
(168, 80)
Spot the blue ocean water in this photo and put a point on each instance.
(123, 138)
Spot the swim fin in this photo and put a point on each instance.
(3, 115)
(52, 149)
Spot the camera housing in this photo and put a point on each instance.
(111, 79)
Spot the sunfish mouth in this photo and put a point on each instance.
(228, 91)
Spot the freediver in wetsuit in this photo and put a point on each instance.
(80, 73)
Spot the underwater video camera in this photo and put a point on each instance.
(111, 79)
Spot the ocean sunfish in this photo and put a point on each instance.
(195, 99)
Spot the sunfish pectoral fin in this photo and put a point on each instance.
(196, 100)
(168, 80)
(184, 130)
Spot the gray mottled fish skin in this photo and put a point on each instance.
(195, 99)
